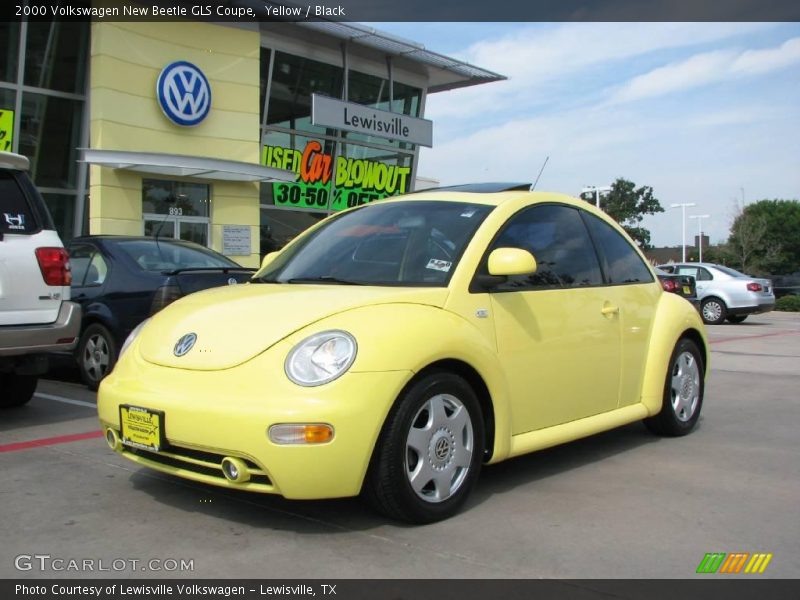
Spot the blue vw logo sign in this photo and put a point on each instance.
(183, 93)
(183, 345)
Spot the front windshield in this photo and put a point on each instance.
(415, 243)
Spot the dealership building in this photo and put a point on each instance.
(234, 136)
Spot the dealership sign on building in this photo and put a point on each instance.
(355, 180)
(183, 93)
(358, 118)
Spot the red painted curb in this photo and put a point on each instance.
(51, 441)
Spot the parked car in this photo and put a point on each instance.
(36, 315)
(122, 280)
(785, 285)
(725, 293)
(396, 347)
(683, 285)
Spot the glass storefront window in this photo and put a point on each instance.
(407, 99)
(62, 209)
(294, 79)
(279, 227)
(49, 134)
(374, 91)
(55, 58)
(9, 50)
(175, 198)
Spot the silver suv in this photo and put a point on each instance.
(725, 293)
(36, 317)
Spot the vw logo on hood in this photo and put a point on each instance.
(183, 93)
(184, 344)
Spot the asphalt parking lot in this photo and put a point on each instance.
(623, 504)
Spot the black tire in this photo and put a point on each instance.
(16, 389)
(97, 354)
(683, 392)
(736, 319)
(432, 407)
(713, 311)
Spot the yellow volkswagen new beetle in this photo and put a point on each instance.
(396, 347)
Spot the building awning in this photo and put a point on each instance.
(444, 72)
(177, 165)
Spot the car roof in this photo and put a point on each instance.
(11, 160)
(494, 194)
(688, 264)
(483, 188)
(131, 238)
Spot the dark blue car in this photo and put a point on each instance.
(120, 281)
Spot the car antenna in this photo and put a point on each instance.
(533, 187)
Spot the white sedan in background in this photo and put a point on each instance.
(725, 293)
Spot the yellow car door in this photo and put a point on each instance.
(558, 330)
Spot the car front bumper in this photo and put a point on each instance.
(211, 415)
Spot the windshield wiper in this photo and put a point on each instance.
(323, 279)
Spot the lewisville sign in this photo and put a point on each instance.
(358, 118)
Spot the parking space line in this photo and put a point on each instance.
(51, 441)
(753, 337)
(65, 400)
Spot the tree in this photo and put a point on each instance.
(765, 237)
(628, 205)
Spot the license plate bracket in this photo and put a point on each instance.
(142, 428)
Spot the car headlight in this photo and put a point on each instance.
(131, 336)
(321, 358)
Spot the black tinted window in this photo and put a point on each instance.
(16, 215)
(622, 263)
(558, 240)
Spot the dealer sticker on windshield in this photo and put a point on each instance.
(439, 265)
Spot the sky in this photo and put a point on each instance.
(707, 113)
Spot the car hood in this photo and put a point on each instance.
(236, 323)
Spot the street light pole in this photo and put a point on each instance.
(683, 225)
(596, 191)
(700, 232)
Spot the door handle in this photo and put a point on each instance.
(609, 310)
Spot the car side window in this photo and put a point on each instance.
(704, 274)
(558, 239)
(88, 265)
(80, 255)
(622, 263)
(97, 271)
(699, 273)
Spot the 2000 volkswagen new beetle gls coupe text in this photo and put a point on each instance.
(396, 347)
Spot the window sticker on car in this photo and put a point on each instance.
(439, 265)
(467, 214)
(15, 221)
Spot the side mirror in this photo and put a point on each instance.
(511, 261)
(268, 258)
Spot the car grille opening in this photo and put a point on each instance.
(208, 464)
